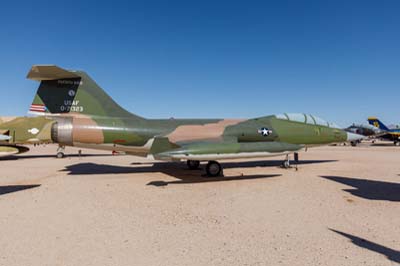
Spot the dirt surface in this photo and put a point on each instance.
(342, 207)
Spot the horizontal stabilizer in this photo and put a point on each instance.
(49, 72)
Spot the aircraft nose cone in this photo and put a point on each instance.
(354, 137)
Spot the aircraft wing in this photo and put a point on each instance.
(8, 150)
(206, 151)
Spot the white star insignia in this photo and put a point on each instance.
(265, 131)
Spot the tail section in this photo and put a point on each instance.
(71, 92)
(377, 123)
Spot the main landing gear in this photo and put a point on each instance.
(193, 165)
(213, 168)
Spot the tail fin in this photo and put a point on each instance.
(71, 92)
(377, 123)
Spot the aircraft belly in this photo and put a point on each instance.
(133, 150)
(229, 150)
(222, 156)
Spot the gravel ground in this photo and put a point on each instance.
(342, 207)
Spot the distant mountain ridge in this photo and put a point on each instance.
(4, 119)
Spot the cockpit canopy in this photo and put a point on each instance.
(306, 118)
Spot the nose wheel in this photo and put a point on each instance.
(60, 152)
(213, 169)
(286, 163)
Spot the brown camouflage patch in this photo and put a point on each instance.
(213, 131)
(86, 130)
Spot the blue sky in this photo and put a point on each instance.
(336, 59)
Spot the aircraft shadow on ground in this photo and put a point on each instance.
(277, 163)
(177, 170)
(391, 254)
(16, 188)
(191, 180)
(383, 145)
(38, 156)
(369, 189)
(249, 164)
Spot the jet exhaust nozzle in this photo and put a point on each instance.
(61, 131)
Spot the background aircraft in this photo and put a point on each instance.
(87, 117)
(365, 130)
(392, 134)
(17, 131)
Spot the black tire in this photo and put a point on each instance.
(60, 155)
(193, 165)
(213, 169)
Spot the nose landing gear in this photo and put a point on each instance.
(286, 163)
(60, 152)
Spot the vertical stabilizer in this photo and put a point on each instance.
(71, 92)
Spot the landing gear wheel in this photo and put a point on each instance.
(213, 169)
(193, 165)
(60, 152)
(286, 164)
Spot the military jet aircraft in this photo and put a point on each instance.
(87, 117)
(391, 134)
(365, 130)
(16, 131)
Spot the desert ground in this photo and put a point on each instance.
(341, 207)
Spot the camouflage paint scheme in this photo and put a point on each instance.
(23, 130)
(87, 117)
